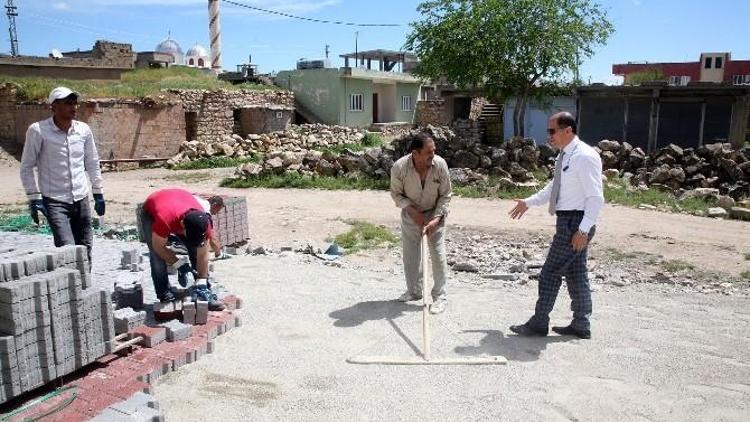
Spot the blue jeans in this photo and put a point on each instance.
(70, 223)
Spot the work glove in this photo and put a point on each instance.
(184, 271)
(99, 204)
(36, 205)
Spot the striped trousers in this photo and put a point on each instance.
(563, 261)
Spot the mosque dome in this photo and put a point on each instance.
(197, 51)
(172, 47)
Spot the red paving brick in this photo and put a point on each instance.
(114, 378)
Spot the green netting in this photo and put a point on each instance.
(22, 223)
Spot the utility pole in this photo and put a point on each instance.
(327, 50)
(214, 30)
(356, 49)
(11, 11)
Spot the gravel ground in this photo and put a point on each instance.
(655, 354)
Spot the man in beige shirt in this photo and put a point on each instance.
(421, 187)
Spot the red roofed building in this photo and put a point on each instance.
(712, 67)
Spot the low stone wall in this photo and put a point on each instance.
(121, 129)
(431, 112)
(214, 111)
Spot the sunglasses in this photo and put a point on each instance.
(551, 132)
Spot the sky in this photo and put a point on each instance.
(645, 30)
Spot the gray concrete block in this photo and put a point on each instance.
(188, 313)
(201, 315)
(177, 331)
(126, 319)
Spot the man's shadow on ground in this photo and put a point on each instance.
(375, 310)
(494, 343)
(512, 347)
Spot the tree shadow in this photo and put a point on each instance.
(374, 310)
(513, 347)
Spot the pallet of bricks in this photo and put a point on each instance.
(52, 321)
(231, 223)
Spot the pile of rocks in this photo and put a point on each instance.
(713, 166)
(470, 161)
(295, 139)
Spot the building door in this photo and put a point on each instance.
(375, 107)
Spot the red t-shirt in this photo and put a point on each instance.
(167, 207)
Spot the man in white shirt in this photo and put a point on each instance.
(63, 152)
(576, 197)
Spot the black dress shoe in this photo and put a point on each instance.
(570, 331)
(527, 330)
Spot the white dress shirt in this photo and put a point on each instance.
(580, 184)
(62, 161)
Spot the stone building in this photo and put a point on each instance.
(106, 60)
(156, 127)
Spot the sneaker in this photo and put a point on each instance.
(438, 306)
(203, 293)
(408, 297)
(167, 297)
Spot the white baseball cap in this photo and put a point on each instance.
(60, 93)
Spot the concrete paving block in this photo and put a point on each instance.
(177, 331)
(201, 315)
(152, 336)
(188, 313)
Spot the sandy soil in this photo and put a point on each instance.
(656, 353)
(295, 217)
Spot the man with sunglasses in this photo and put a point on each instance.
(176, 212)
(575, 196)
(63, 152)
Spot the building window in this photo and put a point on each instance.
(707, 65)
(718, 63)
(356, 102)
(679, 80)
(741, 79)
(201, 63)
(406, 103)
(191, 62)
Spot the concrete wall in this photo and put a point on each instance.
(263, 120)
(386, 102)
(63, 72)
(537, 114)
(121, 130)
(356, 118)
(318, 90)
(411, 90)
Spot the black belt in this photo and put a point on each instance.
(569, 213)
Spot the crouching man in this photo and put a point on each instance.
(177, 212)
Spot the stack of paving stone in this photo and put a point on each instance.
(231, 223)
(129, 295)
(131, 260)
(51, 322)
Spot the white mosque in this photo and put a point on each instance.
(197, 56)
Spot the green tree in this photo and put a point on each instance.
(517, 48)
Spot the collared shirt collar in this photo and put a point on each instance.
(411, 161)
(57, 128)
(572, 145)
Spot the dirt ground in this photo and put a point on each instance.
(280, 217)
(656, 354)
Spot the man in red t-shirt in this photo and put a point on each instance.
(176, 212)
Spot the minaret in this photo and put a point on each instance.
(214, 29)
